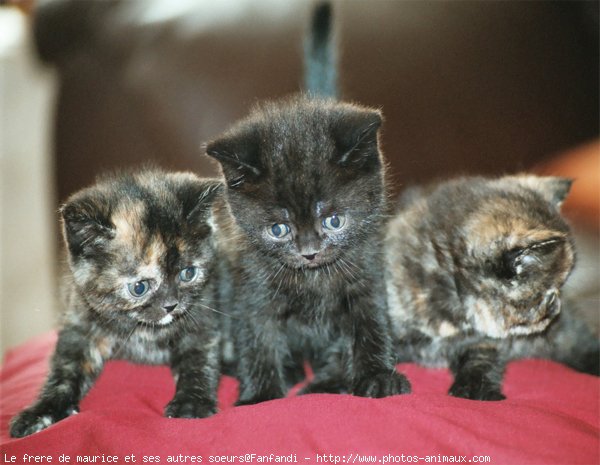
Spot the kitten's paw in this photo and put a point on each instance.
(36, 419)
(480, 390)
(382, 385)
(189, 408)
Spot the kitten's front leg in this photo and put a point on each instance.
(75, 365)
(374, 374)
(478, 370)
(330, 366)
(195, 365)
(260, 366)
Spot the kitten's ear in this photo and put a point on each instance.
(552, 188)
(356, 138)
(238, 153)
(85, 227)
(198, 199)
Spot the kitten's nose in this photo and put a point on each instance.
(310, 256)
(169, 308)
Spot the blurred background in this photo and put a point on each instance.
(466, 87)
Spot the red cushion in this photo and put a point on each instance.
(551, 417)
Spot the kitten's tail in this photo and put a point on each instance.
(320, 54)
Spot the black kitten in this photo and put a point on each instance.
(304, 217)
(474, 272)
(141, 257)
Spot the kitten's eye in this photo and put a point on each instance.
(139, 288)
(188, 274)
(512, 263)
(521, 262)
(334, 222)
(279, 230)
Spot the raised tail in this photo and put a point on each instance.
(320, 54)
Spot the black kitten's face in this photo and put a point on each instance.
(141, 250)
(303, 231)
(304, 179)
(519, 255)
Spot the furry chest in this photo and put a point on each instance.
(310, 309)
(143, 346)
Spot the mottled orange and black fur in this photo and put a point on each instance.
(474, 270)
(140, 288)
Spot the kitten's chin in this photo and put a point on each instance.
(165, 320)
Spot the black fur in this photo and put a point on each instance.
(317, 294)
(310, 169)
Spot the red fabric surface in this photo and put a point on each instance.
(551, 416)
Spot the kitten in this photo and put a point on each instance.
(474, 272)
(141, 255)
(303, 224)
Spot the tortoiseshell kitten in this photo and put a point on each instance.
(141, 255)
(474, 270)
(304, 226)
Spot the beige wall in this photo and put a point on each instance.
(27, 217)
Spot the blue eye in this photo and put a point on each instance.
(138, 289)
(279, 230)
(334, 222)
(188, 274)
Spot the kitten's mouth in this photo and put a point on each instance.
(315, 265)
(162, 320)
(313, 261)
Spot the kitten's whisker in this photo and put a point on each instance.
(346, 267)
(215, 310)
(358, 275)
(351, 264)
(271, 276)
(187, 316)
(280, 281)
(345, 272)
(281, 268)
(338, 270)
